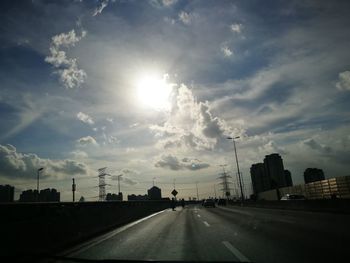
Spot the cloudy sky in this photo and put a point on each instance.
(151, 89)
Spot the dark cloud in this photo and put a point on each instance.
(317, 146)
(173, 163)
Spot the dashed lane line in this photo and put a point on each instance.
(206, 223)
(235, 252)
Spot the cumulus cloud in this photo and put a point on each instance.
(173, 163)
(344, 81)
(78, 154)
(317, 146)
(87, 140)
(237, 28)
(169, 2)
(271, 147)
(111, 120)
(226, 51)
(126, 172)
(185, 17)
(112, 139)
(134, 125)
(25, 165)
(85, 118)
(163, 3)
(191, 124)
(67, 68)
(100, 6)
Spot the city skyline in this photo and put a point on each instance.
(152, 89)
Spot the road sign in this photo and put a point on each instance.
(174, 192)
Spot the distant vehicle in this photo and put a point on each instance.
(293, 197)
(209, 203)
(222, 201)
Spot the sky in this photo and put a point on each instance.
(152, 89)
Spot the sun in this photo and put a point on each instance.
(154, 92)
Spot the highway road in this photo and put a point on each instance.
(225, 234)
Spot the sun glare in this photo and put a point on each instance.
(154, 92)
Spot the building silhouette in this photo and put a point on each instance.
(260, 179)
(313, 175)
(114, 197)
(29, 196)
(49, 195)
(45, 195)
(7, 193)
(288, 178)
(137, 197)
(154, 193)
(270, 174)
(274, 168)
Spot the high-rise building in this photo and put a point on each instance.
(313, 175)
(154, 193)
(274, 168)
(288, 178)
(7, 193)
(260, 179)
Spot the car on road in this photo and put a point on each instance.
(209, 203)
(222, 201)
(293, 197)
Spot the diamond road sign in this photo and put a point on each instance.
(174, 192)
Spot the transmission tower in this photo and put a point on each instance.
(226, 190)
(102, 184)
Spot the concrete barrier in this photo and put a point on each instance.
(321, 205)
(45, 228)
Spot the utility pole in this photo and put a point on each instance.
(197, 191)
(214, 191)
(73, 190)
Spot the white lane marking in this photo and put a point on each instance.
(199, 215)
(235, 251)
(206, 223)
(100, 239)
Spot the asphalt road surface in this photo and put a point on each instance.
(226, 234)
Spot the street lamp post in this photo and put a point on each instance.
(120, 175)
(37, 183)
(239, 173)
(197, 191)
